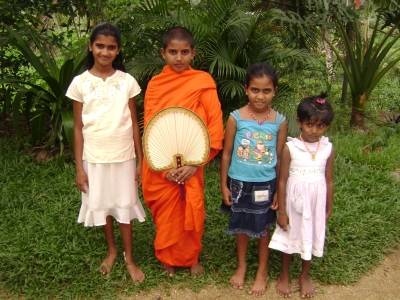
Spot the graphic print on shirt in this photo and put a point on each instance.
(254, 149)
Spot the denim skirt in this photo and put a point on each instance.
(251, 212)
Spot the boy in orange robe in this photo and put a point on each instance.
(180, 223)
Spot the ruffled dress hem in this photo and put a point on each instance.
(121, 215)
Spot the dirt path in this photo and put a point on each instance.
(381, 283)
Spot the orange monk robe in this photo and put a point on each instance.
(180, 224)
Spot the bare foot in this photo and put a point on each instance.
(259, 284)
(306, 287)
(196, 270)
(136, 274)
(169, 270)
(237, 279)
(107, 264)
(283, 286)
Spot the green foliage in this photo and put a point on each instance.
(304, 20)
(386, 96)
(367, 59)
(40, 13)
(229, 36)
(378, 149)
(46, 254)
(46, 97)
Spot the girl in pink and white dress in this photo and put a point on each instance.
(305, 192)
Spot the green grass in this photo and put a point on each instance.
(45, 253)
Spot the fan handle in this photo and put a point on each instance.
(178, 163)
(178, 160)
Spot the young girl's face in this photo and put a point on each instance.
(312, 131)
(178, 55)
(104, 49)
(260, 93)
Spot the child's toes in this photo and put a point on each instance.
(135, 273)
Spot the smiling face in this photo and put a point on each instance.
(104, 49)
(312, 130)
(260, 93)
(178, 54)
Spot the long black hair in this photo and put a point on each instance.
(106, 29)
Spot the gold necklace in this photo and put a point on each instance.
(259, 122)
(312, 153)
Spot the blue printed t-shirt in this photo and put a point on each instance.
(254, 149)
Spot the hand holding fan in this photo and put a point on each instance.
(175, 137)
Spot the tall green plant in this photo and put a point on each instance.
(368, 61)
(47, 101)
(229, 36)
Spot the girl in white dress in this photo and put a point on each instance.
(305, 193)
(108, 152)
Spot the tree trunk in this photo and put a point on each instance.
(358, 112)
(328, 55)
(345, 85)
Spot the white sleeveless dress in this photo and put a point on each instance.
(305, 201)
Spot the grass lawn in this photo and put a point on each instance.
(45, 253)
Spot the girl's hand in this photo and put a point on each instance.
(138, 174)
(274, 205)
(184, 173)
(226, 196)
(283, 220)
(82, 181)
(328, 214)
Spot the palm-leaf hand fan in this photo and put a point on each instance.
(175, 137)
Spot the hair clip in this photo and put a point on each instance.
(320, 100)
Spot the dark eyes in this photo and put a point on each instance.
(102, 46)
(265, 91)
(319, 126)
(174, 52)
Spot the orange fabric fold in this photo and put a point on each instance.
(180, 223)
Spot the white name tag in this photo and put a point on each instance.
(261, 196)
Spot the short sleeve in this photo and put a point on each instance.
(236, 115)
(280, 118)
(134, 88)
(73, 91)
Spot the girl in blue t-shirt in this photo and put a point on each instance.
(254, 137)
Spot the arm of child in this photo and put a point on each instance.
(282, 134)
(136, 138)
(283, 219)
(81, 178)
(210, 102)
(230, 132)
(329, 184)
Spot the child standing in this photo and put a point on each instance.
(305, 192)
(106, 138)
(254, 137)
(180, 224)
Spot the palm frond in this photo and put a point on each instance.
(231, 89)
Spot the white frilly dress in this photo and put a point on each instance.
(305, 201)
(112, 192)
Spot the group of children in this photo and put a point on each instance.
(264, 179)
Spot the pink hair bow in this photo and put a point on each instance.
(320, 100)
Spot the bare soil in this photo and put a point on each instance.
(381, 283)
